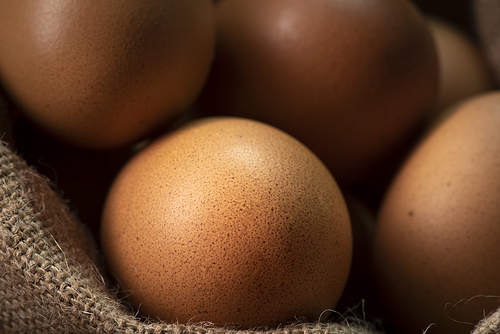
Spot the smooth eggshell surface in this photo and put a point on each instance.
(229, 221)
(463, 70)
(102, 74)
(437, 238)
(485, 15)
(349, 79)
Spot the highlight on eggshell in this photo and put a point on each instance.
(228, 221)
(352, 80)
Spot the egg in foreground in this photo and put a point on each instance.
(229, 221)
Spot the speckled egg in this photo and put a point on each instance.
(437, 237)
(103, 74)
(229, 221)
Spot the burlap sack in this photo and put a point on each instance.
(49, 276)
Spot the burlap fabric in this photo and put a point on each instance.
(50, 280)
(49, 276)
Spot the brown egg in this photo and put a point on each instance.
(437, 238)
(81, 177)
(486, 25)
(229, 221)
(350, 79)
(102, 74)
(462, 67)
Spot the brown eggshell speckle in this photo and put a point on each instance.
(229, 221)
(102, 74)
(349, 79)
(437, 237)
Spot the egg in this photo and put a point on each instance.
(228, 221)
(463, 73)
(104, 74)
(462, 67)
(486, 24)
(437, 236)
(359, 290)
(349, 79)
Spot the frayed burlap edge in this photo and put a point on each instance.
(489, 325)
(49, 281)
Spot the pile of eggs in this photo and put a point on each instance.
(255, 163)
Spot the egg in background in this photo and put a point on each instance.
(350, 79)
(229, 221)
(463, 70)
(105, 74)
(485, 16)
(437, 238)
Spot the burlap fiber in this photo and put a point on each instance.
(49, 280)
(487, 23)
(489, 325)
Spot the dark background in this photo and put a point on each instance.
(458, 12)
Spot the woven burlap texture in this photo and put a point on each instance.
(49, 280)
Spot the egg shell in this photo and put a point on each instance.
(463, 70)
(229, 221)
(437, 238)
(103, 74)
(349, 79)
